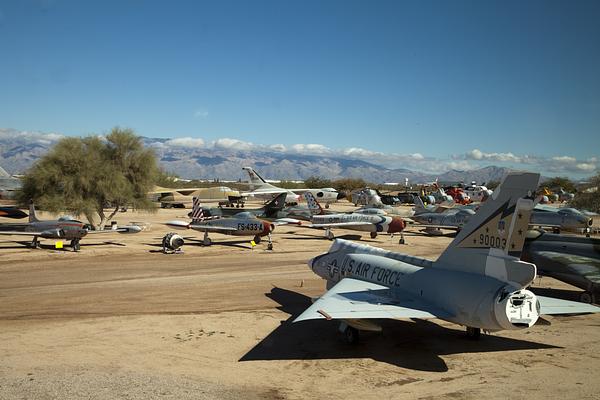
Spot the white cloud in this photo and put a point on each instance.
(478, 155)
(586, 167)
(311, 148)
(358, 152)
(564, 159)
(185, 142)
(277, 147)
(201, 113)
(235, 144)
(417, 156)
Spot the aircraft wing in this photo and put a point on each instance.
(552, 306)
(212, 228)
(20, 233)
(355, 299)
(263, 191)
(449, 227)
(123, 229)
(285, 221)
(339, 224)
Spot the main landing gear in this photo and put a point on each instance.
(35, 243)
(329, 234)
(206, 241)
(473, 333)
(373, 235)
(75, 245)
(350, 335)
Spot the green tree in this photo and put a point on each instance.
(560, 182)
(84, 176)
(588, 198)
(316, 182)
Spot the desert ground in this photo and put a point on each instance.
(120, 319)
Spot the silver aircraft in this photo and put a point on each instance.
(367, 222)
(263, 189)
(433, 222)
(242, 224)
(558, 219)
(65, 228)
(478, 281)
(9, 185)
(571, 259)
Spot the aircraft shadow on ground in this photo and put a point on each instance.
(48, 246)
(416, 344)
(424, 234)
(304, 236)
(565, 294)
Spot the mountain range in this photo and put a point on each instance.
(19, 150)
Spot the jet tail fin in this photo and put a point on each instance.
(32, 215)
(313, 204)
(492, 241)
(256, 181)
(198, 213)
(3, 173)
(276, 204)
(419, 206)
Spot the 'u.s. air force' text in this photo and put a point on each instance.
(374, 273)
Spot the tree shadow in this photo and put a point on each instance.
(416, 344)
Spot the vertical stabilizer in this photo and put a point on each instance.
(197, 210)
(32, 216)
(256, 181)
(313, 205)
(419, 206)
(492, 241)
(3, 173)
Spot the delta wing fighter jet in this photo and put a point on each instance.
(242, 224)
(571, 259)
(478, 281)
(365, 222)
(261, 188)
(65, 228)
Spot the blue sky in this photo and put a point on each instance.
(464, 83)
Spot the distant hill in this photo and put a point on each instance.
(18, 151)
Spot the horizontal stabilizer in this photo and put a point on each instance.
(552, 306)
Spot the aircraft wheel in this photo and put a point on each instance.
(327, 205)
(207, 242)
(329, 235)
(373, 235)
(473, 333)
(350, 335)
(587, 297)
(257, 239)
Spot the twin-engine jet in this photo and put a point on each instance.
(478, 281)
(65, 228)
(242, 224)
(366, 222)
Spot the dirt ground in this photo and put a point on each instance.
(120, 319)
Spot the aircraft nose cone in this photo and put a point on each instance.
(396, 225)
(267, 228)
